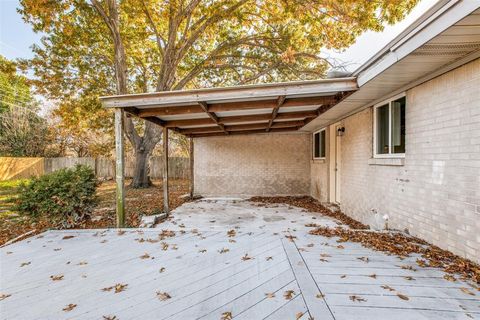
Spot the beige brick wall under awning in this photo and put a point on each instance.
(248, 165)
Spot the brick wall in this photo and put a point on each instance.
(245, 165)
(436, 193)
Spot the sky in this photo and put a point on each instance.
(16, 37)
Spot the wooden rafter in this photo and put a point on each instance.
(280, 102)
(212, 116)
(213, 134)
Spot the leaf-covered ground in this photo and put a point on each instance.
(138, 202)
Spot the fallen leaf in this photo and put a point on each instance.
(290, 237)
(162, 270)
(343, 276)
(246, 257)
(311, 225)
(23, 264)
(202, 250)
(231, 241)
(110, 318)
(68, 237)
(270, 295)
(409, 278)
(374, 276)
(387, 288)
(162, 296)
(82, 263)
(227, 316)
(57, 249)
(310, 245)
(320, 295)
(174, 247)
(364, 259)
(422, 263)
(357, 298)
(465, 290)
(69, 307)
(121, 232)
(325, 255)
(340, 247)
(118, 288)
(408, 268)
(224, 250)
(4, 296)
(449, 278)
(164, 246)
(57, 277)
(145, 256)
(231, 233)
(298, 315)
(269, 258)
(288, 294)
(323, 260)
(402, 296)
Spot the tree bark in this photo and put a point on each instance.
(143, 145)
(141, 178)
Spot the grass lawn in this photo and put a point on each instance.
(8, 193)
(138, 202)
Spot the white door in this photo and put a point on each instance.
(338, 162)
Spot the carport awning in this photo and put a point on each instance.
(261, 108)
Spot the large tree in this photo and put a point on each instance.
(104, 47)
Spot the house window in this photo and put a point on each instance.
(389, 128)
(319, 144)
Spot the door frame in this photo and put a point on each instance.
(334, 169)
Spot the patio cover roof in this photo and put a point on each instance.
(245, 109)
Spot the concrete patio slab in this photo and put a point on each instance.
(269, 268)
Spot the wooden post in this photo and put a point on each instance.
(191, 169)
(165, 171)
(119, 168)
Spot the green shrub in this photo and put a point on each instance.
(66, 196)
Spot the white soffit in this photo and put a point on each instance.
(449, 41)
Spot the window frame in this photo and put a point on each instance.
(388, 102)
(319, 147)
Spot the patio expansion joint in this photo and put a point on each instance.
(316, 306)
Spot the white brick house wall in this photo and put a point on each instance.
(246, 165)
(436, 193)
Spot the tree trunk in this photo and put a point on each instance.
(141, 170)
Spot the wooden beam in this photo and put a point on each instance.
(189, 122)
(192, 176)
(212, 115)
(249, 118)
(243, 127)
(165, 172)
(119, 168)
(234, 106)
(169, 110)
(280, 102)
(214, 134)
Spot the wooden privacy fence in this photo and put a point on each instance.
(23, 168)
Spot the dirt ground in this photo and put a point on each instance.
(138, 202)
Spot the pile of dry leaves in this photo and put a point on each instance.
(311, 205)
(402, 246)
